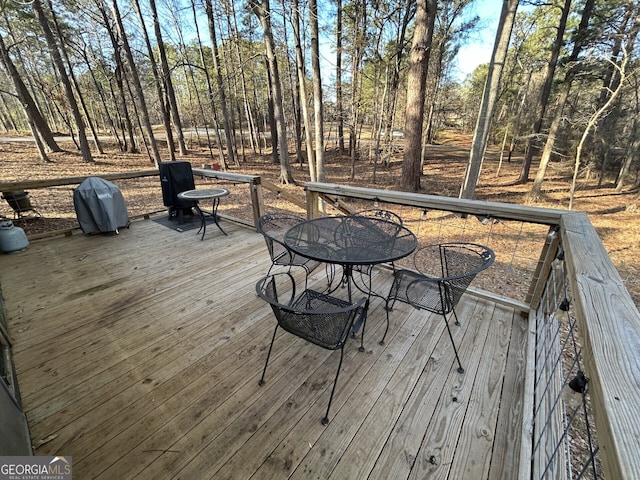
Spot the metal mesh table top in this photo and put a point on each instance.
(351, 240)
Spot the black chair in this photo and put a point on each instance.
(443, 273)
(273, 227)
(382, 214)
(391, 226)
(313, 316)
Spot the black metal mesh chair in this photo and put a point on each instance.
(382, 214)
(273, 227)
(313, 316)
(391, 226)
(443, 273)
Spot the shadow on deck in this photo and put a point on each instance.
(139, 355)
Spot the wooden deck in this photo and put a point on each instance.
(139, 355)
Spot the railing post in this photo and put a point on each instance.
(313, 203)
(548, 254)
(257, 200)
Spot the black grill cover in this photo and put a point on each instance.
(176, 177)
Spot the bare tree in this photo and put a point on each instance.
(122, 110)
(72, 77)
(166, 118)
(210, 93)
(168, 83)
(545, 92)
(133, 71)
(416, 87)
(311, 158)
(593, 120)
(359, 42)
(64, 78)
(36, 120)
(317, 90)
(339, 107)
(263, 11)
(223, 97)
(563, 96)
(489, 96)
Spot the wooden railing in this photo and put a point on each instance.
(141, 190)
(604, 315)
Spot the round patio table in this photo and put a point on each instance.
(213, 194)
(351, 240)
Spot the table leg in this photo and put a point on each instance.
(214, 212)
(203, 221)
(348, 274)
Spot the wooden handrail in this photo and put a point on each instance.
(609, 324)
(57, 182)
(507, 211)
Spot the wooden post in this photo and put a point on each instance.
(313, 201)
(257, 200)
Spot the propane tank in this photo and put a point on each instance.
(12, 238)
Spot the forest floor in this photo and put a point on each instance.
(615, 215)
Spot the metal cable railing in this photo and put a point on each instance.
(564, 439)
(517, 244)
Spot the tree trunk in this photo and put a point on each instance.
(94, 133)
(210, 94)
(630, 152)
(136, 85)
(489, 96)
(339, 108)
(536, 189)
(621, 71)
(317, 89)
(8, 122)
(359, 45)
(39, 145)
(311, 158)
(26, 100)
(394, 81)
(253, 137)
(64, 78)
(223, 97)
(273, 129)
(416, 87)
(545, 93)
(103, 100)
(263, 12)
(123, 116)
(294, 91)
(166, 118)
(166, 74)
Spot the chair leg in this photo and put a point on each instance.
(264, 370)
(456, 317)
(325, 420)
(330, 273)
(364, 323)
(455, 350)
(386, 307)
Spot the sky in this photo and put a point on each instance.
(479, 47)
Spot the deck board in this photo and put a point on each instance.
(140, 354)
